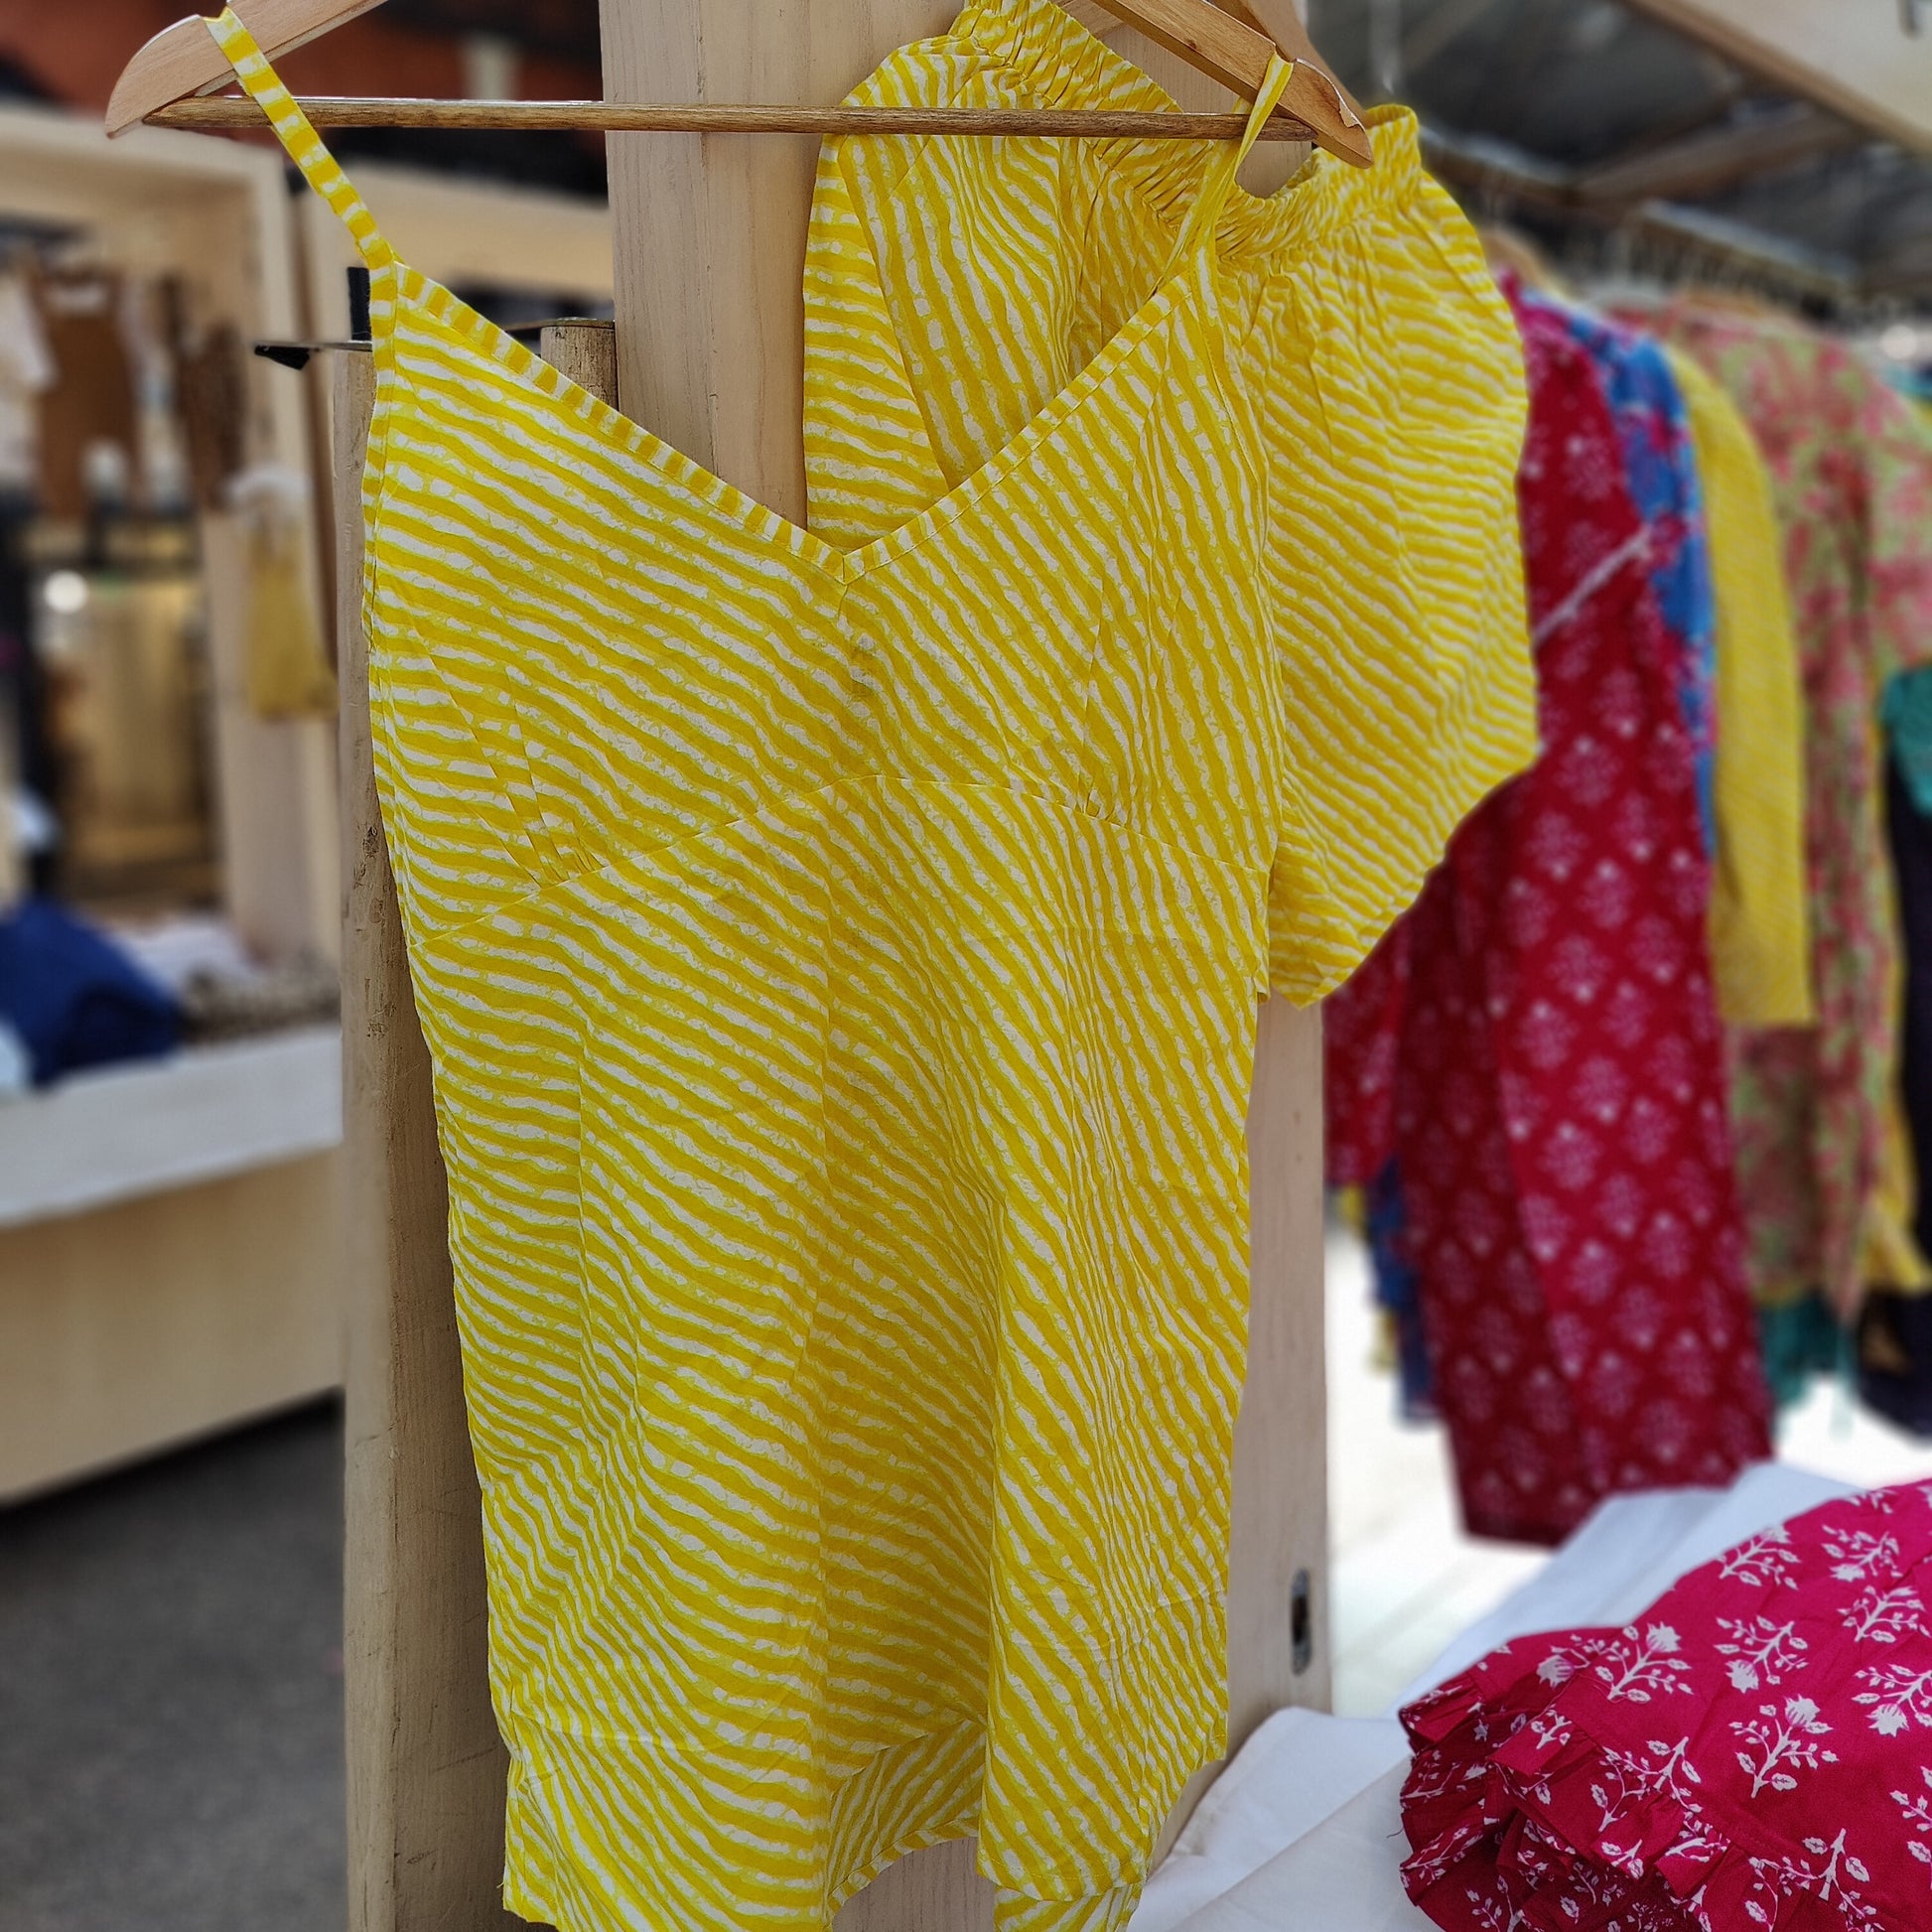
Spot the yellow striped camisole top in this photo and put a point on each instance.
(839, 972)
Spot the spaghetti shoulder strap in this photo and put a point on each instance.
(293, 130)
(1226, 164)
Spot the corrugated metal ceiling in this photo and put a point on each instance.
(1630, 112)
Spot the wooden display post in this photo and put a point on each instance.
(710, 236)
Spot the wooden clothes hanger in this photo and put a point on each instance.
(1229, 46)
(1228, 43)
(183, 59)
(1292, 39)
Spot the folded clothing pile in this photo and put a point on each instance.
(70, 999)
(1753, 1752)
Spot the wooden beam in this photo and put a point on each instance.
(427, 1768)
(1435, 32)
(425, 1765)
(1094, 17)
(1493, 168)
(1724, 243)
(1705, 163)
(1855, 57)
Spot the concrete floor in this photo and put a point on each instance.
(171, 1731)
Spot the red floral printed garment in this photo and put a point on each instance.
(1755, 1752)
(1555, 1094)
(1826, 1178)
(1361, 1038)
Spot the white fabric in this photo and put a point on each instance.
(184, 947)
(26, 369)
(1304, 1829)
(1298, 1770)
(1343, 1877)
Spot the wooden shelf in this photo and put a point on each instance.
(205, 1114)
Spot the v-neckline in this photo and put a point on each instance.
(1196, 262)
(412, 288)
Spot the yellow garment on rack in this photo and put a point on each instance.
(287, 674)
(952, 286)
(839, 971)
(1760, 916)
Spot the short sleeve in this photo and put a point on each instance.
(1396, 419)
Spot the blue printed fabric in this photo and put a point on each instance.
(75, 999)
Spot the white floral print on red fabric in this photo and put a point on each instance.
(1537, 1046)
(1762, 1651)
(1754, 1753)
(1917, 1808)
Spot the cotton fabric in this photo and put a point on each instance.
(1661, 471)
(1300, 1830)
(1628, 1554)
(1749, 1751)
(1540, 1040)
(1368, 363)
(1824, 1163)
(839, 970)
(1298, 1770)
(1760, 918)
(74, 999)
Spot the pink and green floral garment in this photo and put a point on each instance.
(1825, 1172)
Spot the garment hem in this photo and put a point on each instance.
(552, 1894)
(1461, 793)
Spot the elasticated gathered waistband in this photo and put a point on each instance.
(1054, 62)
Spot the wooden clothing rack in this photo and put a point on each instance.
(1224, 40)
(228, 114)
(707, 349)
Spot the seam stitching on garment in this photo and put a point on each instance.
(564, 879)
